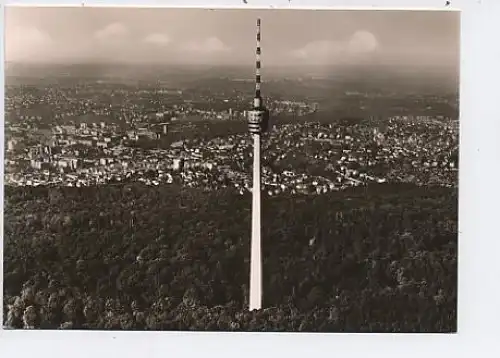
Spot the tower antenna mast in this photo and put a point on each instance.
(258, 119)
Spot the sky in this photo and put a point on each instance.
(227, 37)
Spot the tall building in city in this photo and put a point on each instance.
(258, 119)
(178, 164)
(11, 145)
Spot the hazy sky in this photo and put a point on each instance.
(291, 37)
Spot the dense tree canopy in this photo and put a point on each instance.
(379, 259)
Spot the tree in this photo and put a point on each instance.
(30, 317)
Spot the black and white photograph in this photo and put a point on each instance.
(249, 170)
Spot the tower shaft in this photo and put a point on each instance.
(255, 250)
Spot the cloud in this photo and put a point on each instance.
(361, 42)
(209, 45)
(29, 36)
(157, 39)
(321, 49)
(111, 32)
(26, 43)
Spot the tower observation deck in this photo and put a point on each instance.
(258, 117)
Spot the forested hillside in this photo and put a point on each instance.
(378, 259)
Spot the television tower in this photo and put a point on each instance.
(258, 119)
